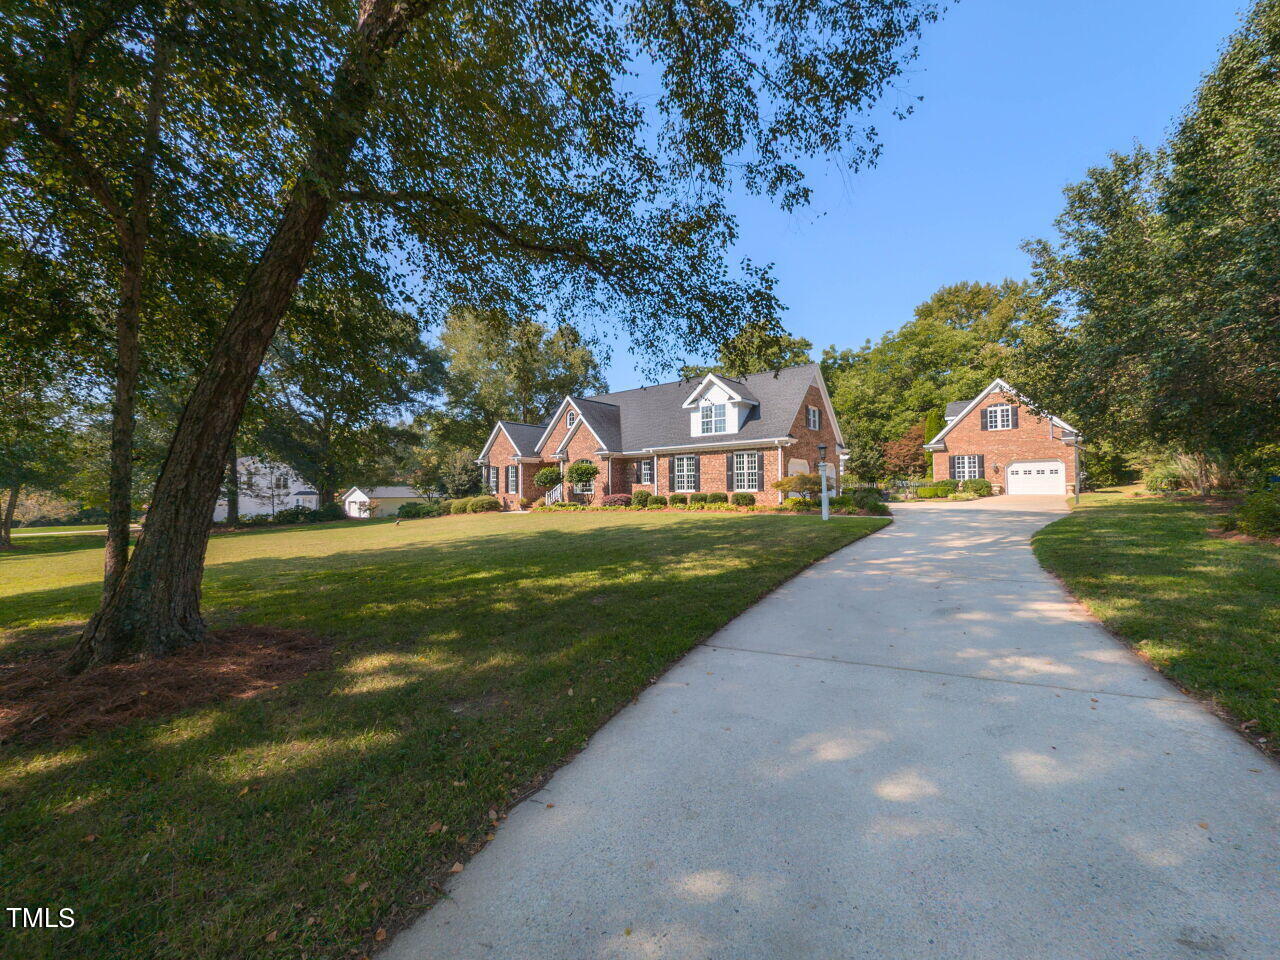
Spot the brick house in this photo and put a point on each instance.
(999, 436)
(715, 434)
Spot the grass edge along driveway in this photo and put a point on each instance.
(1202, 610)
(474, 654)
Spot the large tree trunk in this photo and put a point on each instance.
(155, 606)
(6, 519)
(233, 487)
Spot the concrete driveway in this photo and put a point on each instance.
(918, 748)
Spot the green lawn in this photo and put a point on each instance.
(474, 654)
(1205, 611)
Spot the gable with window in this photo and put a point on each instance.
(570, 418)
(1000, 416)
(713, 418)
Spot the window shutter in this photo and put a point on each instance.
(638, 474)
(951, 462)
(982, 419)
(671, 474)
(1013, 416)
(982, 471)
(697, 472)
(728, 472)
(759, 472)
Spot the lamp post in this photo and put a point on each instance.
(822, 475)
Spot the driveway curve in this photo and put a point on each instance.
(921, 747)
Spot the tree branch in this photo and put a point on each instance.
(93, 179)
(510, 235)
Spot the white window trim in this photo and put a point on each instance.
(813, 418)
(998, 416)
(570, 419)
(739, 473)
(690, 478)
(646, 467)
(967, 466)
(513, 478)
(709, 418)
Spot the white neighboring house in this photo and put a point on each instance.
(267, 487)
(365, 502)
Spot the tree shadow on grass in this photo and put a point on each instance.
(463, 671)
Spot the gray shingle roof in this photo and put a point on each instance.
(652, 416)
(524, 436)
(956, 407)
(604, 419)
(389, 493)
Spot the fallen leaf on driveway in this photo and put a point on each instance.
(456, 868)
(1203, 826)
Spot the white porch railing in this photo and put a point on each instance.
(555, 494)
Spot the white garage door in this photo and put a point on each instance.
(1037, 476)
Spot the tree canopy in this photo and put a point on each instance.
(1166, 268)
(957, 342)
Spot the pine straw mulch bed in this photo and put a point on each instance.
(38, 704)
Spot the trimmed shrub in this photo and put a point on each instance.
(677, 499)
(717, 497)
(331, 511)
(744, 499)
(796, 504)
(618, 500)
(1259, 515)
(1163, 478)
(697, 498)
(656, 506)
(963, 496)
(978, 487)
(657, 500)
(460, 505)
(484, 504)
(412, 511)
(926, 493)
(947, 486)
(640, 498)
(547, 477)
(877, 509)
(582, 472)
(254, 519)
(297, 515)
(863, 499)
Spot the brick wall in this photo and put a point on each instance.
(1029, 441)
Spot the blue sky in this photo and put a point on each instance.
(1021, 97)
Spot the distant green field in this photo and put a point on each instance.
(473, 654)
(71, 528)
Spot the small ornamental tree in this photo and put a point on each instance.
(799, 484)
(547, 477)
(582, 472)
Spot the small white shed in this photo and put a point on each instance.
(368, 502)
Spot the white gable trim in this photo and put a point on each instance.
(724, 385)
(555, 418)
(577, 424)
(1003, 387)
(354, 490)
(488, 444)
